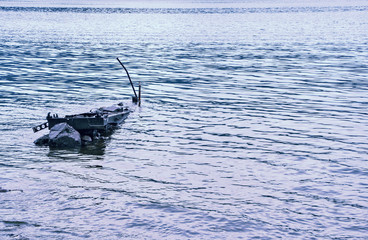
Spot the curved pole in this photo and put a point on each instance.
(130, 80)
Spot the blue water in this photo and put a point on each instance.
(254, 120)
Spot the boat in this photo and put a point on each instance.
(97, 122)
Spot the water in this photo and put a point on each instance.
(254, 120)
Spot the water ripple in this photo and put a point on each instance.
(254, 126)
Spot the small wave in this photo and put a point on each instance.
(185, 10)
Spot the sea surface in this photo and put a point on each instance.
(253, 124)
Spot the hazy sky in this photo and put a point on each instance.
(181, 3)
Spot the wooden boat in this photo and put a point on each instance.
(102, 120)
(97, 121)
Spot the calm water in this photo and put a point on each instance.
(254, 121)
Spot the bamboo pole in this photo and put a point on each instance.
(130, 80)
(140, 91)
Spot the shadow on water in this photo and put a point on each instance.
(97, 149)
